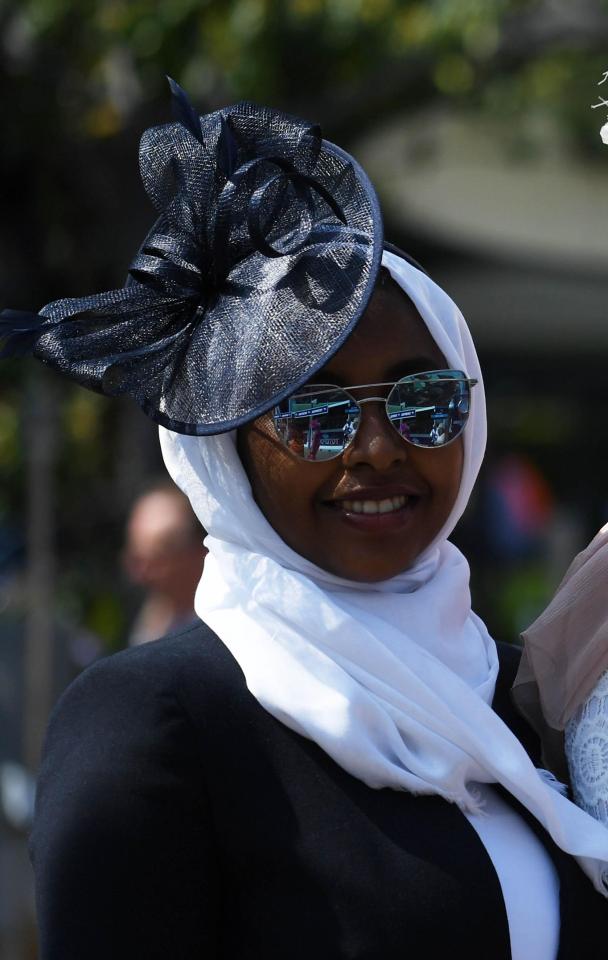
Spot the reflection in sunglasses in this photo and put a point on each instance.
(427, 410)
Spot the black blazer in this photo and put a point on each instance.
(177, 819)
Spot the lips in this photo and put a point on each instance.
(378, 509)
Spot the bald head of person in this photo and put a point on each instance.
(164, 552)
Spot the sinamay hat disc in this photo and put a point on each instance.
(263, 258)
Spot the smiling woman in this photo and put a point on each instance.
(327, 763)
(368, 514)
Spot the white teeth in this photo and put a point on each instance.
(388, 505)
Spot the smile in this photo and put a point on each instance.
(388, 514)
(388, 505)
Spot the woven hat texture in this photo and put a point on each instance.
(262, 259)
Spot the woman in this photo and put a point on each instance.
(562, 681)
(308, 771)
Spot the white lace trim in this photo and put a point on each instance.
(586, 744)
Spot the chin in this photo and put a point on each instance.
(367, 573)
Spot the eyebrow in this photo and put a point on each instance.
(412, 365)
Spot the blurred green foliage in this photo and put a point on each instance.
(90, 67)
(81, 81)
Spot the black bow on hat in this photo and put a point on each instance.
(262, 260)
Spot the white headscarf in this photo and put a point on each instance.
(394, 680)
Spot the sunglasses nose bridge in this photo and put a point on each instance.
(375, 442)
(380, 402)
(372, 400)
(379, 393)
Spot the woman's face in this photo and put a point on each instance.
(310, 504)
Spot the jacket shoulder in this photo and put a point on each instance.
(157, 666)
(138, 702)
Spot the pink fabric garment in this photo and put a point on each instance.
(566, 648)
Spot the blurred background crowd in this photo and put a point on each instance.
(475, 120)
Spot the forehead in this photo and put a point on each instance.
(158, 512)
(390, 340)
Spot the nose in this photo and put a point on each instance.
(376, 443)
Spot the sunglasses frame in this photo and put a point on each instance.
(326, 387)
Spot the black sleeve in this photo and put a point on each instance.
(122, 844)
(509, 655)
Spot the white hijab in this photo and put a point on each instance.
(394, 680)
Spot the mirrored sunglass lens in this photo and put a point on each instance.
(316, 423)
(431, 409)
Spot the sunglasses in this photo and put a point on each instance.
(429, 409)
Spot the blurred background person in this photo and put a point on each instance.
(164, 556)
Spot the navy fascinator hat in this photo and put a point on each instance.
(262, 260)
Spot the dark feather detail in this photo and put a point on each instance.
(227, 149)
(19, 330)
(184, 112)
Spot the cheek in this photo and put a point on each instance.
(282, 487)
(263, 464)
(448, 473)
(442, 470)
